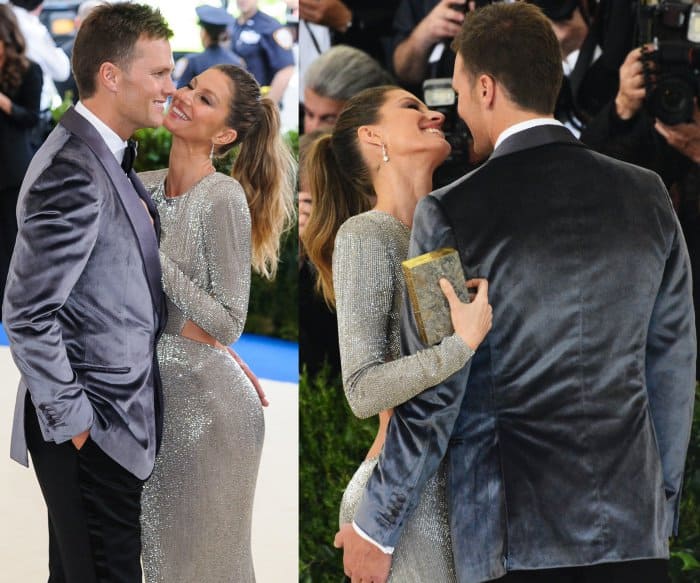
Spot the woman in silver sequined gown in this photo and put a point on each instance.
(197, 505)
(389, 144)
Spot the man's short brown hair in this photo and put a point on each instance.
(109, 34)
(515, 44)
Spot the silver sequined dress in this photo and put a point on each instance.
(368, 284)
(197, 505)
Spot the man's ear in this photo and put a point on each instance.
(369, 135)
(486, 86)
(108, 75)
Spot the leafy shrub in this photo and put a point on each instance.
(332, 444)
(685, 549)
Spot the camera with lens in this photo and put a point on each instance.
(438, 95)
(672, 69)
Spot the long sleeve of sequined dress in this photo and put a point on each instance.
(197, 505)
(215, 298)
(368, 283)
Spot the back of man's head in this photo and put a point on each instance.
(514, 43)
(343, 71)
(109, 34)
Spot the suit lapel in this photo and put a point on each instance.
(148, 201)
(534, 137)
(129, 192)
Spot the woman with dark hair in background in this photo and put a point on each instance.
(20, 94)
(197, 505)
(381, 156)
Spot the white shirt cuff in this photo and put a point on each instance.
(369, 539)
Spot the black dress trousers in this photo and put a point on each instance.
(94, 506)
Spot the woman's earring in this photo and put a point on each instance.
(211, 153)
(385, 155)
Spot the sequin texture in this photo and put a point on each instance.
(424, 551)
(197, 505)
(369, 284)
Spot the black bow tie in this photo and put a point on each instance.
(129, 156)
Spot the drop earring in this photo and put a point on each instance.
(385, 155)
(211, 153)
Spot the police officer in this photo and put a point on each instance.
(214, 23)
(266, 47)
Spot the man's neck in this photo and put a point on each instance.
(524, 124)
(510, 117)
(107, 114)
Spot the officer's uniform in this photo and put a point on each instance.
(213, 55)
(196, 63)
(264, 44)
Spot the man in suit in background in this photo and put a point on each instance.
(84, 303)
(566, 440)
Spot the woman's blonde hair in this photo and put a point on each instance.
(264, 166)
(339, 181)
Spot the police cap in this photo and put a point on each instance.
(214, 16)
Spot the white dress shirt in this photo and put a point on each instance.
(115, 144)
(526, 125)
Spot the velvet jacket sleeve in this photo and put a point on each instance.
(420, 429)
(670, 369)
(58, 228)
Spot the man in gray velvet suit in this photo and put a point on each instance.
(84, 304)
(566, 438)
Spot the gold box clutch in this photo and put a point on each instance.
(430, 307)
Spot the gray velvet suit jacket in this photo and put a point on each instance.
(83, 302)
(566, 435)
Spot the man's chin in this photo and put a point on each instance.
(155, 121)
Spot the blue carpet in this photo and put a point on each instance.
(269, 358)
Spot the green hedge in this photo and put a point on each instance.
(333, 443)
(685, 549)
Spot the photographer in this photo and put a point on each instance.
(362, 24)
(594, 39)
(423, 30)
(627, 130)
(684, 137)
